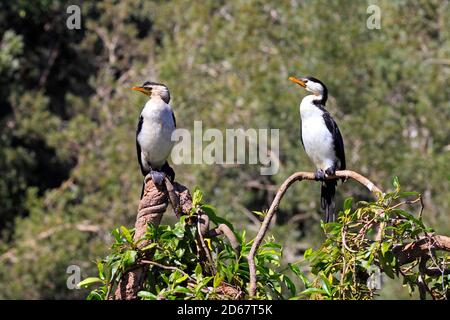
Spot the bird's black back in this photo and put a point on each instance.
(337, 139)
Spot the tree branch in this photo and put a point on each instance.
(152, 206)
(298, 176)
(151, 209)
(422, 248)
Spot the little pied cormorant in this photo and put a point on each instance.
(154, 131)
(321, 139)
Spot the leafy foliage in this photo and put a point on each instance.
(358, 250)
(177, 269)
(364, 241)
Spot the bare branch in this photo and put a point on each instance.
(421, 248)
(298, 176)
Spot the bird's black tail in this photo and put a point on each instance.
(327, 199)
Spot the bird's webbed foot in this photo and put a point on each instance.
(319, 175)
(156, 176)
(331, 171)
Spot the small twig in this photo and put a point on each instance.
(410, 267)
(406, 202)
(162, 266)
(344, 243)
(421, 280)
(381, 227)
(205, 219)
(441, 270)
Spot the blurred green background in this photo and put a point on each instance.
(68, 172)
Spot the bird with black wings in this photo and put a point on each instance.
(321, 139)
(154, 131)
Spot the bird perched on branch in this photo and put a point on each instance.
(154, 132)
(321, 139)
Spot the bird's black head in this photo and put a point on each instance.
(314, 86)
(153, 89)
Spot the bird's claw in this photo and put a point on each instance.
(156, 176)
(319, 175)
(331, 171)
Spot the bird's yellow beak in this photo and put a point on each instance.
(297, 81)
(143, 90)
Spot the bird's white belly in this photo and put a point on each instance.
(155, 141)
(318, 142)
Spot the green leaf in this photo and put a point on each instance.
(101, 268)
(259, 213)
(197, 198)
(290, 284)
(348, 204)
(151, 232)
(326, 285)
(150, 246)
(299, 274)
(310, 291)
(179, 230)
(198, 271)
(408, 216)
(308, 252)
(146, 295)
(396, 184)
(180, 289)
(126, 234)
(271, 245)
(94, 295)
(217, 280)
(88, 281)
(116, 235)
(128, 258)
(180, 279)
(385, 247)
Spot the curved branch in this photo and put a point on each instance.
(422, 248)
(298, 176)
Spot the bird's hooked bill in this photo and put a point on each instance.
(297, 81)
(142, 89)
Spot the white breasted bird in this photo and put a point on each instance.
(321, 139)
(154, 131)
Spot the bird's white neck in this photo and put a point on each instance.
(154, 106)
(155, 99)
(308, 106)
(161, 93)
